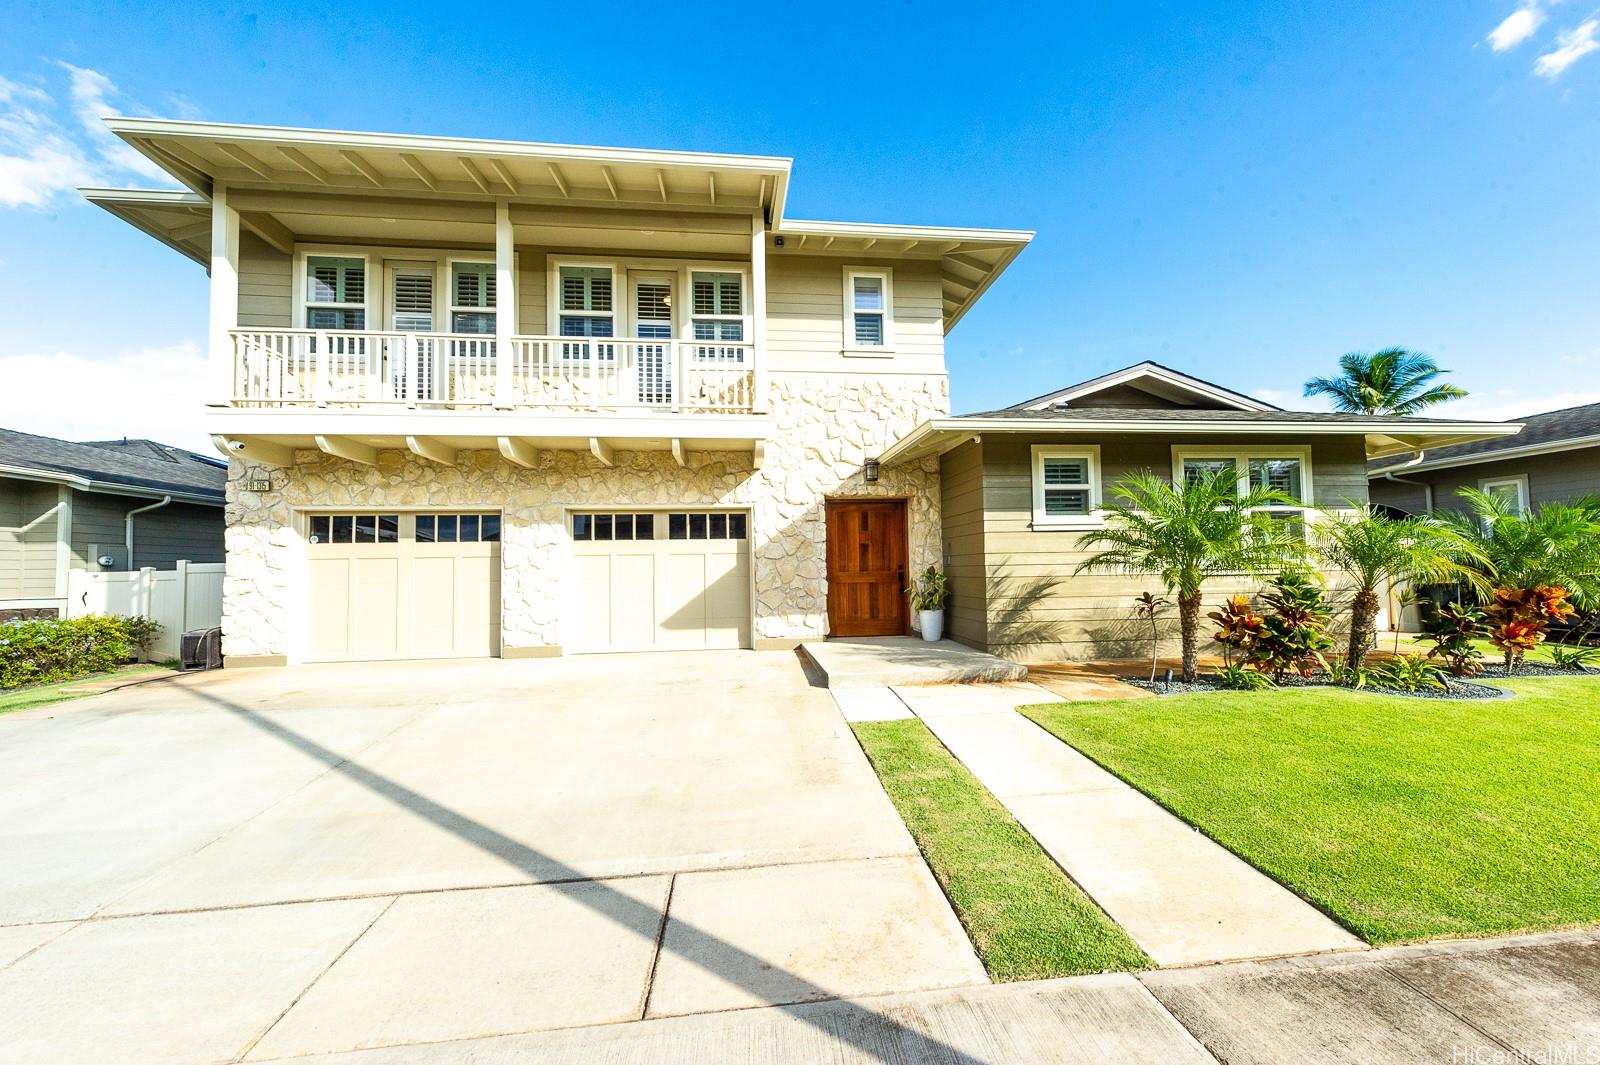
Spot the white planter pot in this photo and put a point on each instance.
(932, 622)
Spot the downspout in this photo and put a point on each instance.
(1427, 489)
(128, 525)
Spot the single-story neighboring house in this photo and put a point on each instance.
(99, 505)
(1019, 486)
(1555, 459)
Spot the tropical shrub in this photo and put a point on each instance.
(1574, 658)
(142, 632)
(1294, 636)
(1240, 678)
(1186, 531)
(1148, 606)
(1519, 618)
(1452, 629)
(1345, 675)
(1239, 627)
(51, 649)
(1410, 673)
(930, 591)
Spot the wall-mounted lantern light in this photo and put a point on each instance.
(870, 471)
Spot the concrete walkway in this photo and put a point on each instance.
(877, 661)
(1183, 898)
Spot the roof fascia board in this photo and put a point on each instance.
(795, 227)
(1577, 443)
(112, 488)
(125, 207)
(1172, 378)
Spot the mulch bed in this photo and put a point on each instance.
(1458, 688)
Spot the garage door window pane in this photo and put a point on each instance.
(736, 529)
(342, 524)
(644, 526)
(366, 528)
(490, 531)
(602, 526)
(319, 529)
(582, 527)
(469, 528)
(388, 528)
(425, 528)
(447, 528)
(719, 526)
(624, 526)
(697, 526)
(678, 526)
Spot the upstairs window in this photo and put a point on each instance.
(472, 298)
(868, 310)
(336, 292)
(718, 306)
(412, 305)
(587, 308)
(1066, 487)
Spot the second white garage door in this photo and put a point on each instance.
(659, 580)
(385, 586)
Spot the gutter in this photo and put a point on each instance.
(85, 484)
(1427, 489)
(128, 525)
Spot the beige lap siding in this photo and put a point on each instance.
(1014, 592)
(825, 426)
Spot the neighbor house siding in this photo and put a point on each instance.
(186, 531)
(1557, 478)
(1036, 608)
(27, 558)
(265, 281)
(97, 528)
(961, 504)
(805, 316)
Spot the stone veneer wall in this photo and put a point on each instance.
(824, 429)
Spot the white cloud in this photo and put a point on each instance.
(1572, 45)
(1516, 28)
(43, 157)
(1508, 404)
(157, 393)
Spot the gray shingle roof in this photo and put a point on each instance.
(135, 463)
(1551, 427)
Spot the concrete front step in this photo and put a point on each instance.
(881, 661)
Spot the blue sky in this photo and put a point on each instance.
(1243, 192)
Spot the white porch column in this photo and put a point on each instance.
(224, 297)
(758, 310)
(505, 303)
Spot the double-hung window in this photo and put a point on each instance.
(717, 306)
(868, 305)
(587, 308)
(1512, 491)
(1285, 471)
(336, 292)
(1066, 487)
(472, 298)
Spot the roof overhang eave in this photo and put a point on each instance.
(114, 488)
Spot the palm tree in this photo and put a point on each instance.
(1374, 550)
(1394, 381)
(1187, 531)
(1556, 545)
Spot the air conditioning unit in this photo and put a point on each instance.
(201, 649)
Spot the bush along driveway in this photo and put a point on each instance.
(1406, 819)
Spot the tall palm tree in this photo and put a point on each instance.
(1556, 545)
(1394, 381)
(1374, 550)
(1185, 532)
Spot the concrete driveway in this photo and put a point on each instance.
(267, 864)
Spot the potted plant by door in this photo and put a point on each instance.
(928, 596)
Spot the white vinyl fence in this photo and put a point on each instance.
(189, 597)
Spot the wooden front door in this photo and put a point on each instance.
(867, 567)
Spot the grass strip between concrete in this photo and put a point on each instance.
(1025, 917)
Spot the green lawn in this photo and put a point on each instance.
(1406, 818)
(45, 694)
(1026, 919)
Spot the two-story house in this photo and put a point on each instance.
(501, 398)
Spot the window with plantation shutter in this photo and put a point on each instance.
(336, 292)
(411, 306)
(868, 313)
(717, 306)
(472, 298)
(1066, 487)
(587, 308)
(1278, 470)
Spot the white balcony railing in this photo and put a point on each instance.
(313, 367)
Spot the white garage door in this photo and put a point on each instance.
(659, 580)
(403, 586)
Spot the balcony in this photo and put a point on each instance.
(309, 368)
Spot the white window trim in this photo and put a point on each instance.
(302, 293)
(1096, 516)
(850, 347)
(451, 309)
(1241, 461)
(376, 261)
(553, 297)
(1518, 479)
(393, 266)
(743, 317)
